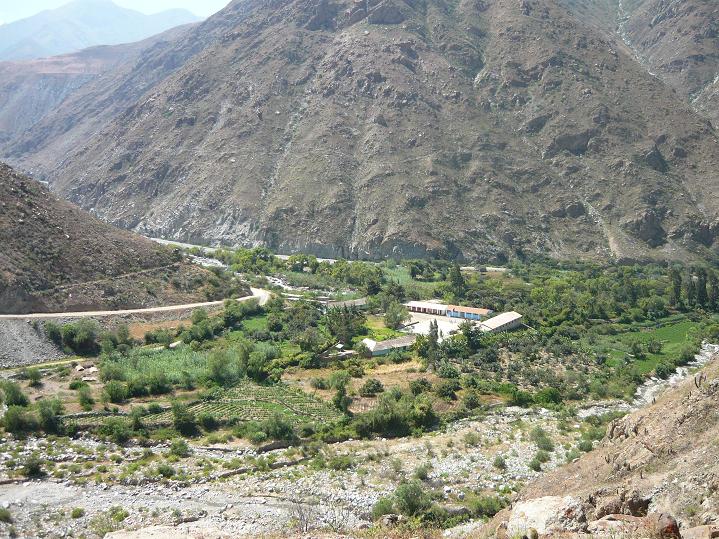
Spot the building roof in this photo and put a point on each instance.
(471, 310)
(501, 319)
(399, 342)
(426, 305)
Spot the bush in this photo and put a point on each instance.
(50, 411)
(485, 506)
(420, 385)
(115, 392)
(446, 389)
(77, 512)
(540, 437)
(371, 387)
(447, 370)
(411, 499)
(180, 449)
(33, 467)
(422, 471)
(207, 421)
(117, 429)
(542, 456)
(535, 465)
(183, 419)
(13, 394)
(165, 470)
(5, 515)
(319, 383)
(664, 370)
(18, 421)
(338, 379)
(34, 376)
(500, 463)
(383, 506)
(53, 332)
(585, 445)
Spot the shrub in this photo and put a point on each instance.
(535, 465)
(338, 379)
(319, 383)
(446, 389)
(53, 332)
(33, 467)
(422, 471)
(500, 463)
(34, 376)
(207, 421)
(50, 411)
(117, 429)
(371, 387)
(411, 499)
(471, 439)
(13, 394)
(77, 384)
(420, 385)
(383, 506)
(115, 392)
(485, 506)
(542, 456)
(540, 437)
(154, 408)
(585, 445)
(664, 370)
(5, 515)
(18, 421)
(179, 448)
(183, 419)
(165, 470)
(77, 512)
(447, 370)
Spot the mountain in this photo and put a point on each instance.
(82, 24)
(658, 460)
(55, 257)
(31, 89)
(481, 129)
(676, 40)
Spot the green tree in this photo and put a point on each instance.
(675, 295)
(13, 394)
(702, 297)
(458, 286)
(344, 323)
(341, 400)
(713, 291)
(690, 288)
(395, 315)
(183, 419)
(51, 411)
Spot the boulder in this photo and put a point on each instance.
(659, 525)
(549, 514)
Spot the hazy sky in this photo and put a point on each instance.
(11, 10)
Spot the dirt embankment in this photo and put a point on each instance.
(660, 460)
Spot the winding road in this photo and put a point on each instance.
(260, 294)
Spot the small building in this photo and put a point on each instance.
(382, 348)
(468, 313)
(502, 322)
(427, 307)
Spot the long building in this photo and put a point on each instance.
(382, 348)
(468, 313)
(502, 322)
(427, 307)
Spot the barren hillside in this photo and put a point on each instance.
(55, 257)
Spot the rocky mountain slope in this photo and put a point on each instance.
(479, 129)
(55, 257)
(658, 460)
(676, 40)
(31, 89)
(82, 24)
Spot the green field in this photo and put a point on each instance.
(246, 401)
(401, 275)
(671, 333)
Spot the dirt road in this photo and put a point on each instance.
(257, 293)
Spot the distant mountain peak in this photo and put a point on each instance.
(80, 24)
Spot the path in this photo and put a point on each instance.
(257, 293)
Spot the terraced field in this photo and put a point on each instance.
(246, 401)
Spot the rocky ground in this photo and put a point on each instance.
(24, 343)
(332, 492)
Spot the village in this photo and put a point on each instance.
(448, 319)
